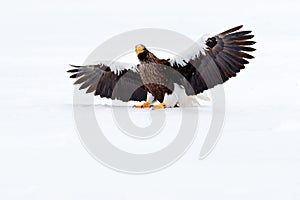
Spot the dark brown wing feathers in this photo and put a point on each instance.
(225, 56)
(125, 85)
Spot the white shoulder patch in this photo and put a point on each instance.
(116, 67)
(195, 50)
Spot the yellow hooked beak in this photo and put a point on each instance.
(139, 49)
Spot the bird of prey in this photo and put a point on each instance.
(171, 82)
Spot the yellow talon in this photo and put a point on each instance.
(159, 106)
(144, 105)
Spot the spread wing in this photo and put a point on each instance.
(123, 84)
(223, 57)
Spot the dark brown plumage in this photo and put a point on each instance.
(225, 55)
(152, 72)
(127, 85)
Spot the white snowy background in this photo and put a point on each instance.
(41, 157)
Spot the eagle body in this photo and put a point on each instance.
(152, 72)
(169, 81)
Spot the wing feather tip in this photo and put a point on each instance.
(231, 30)
(77, 66)
(73, 76)
(72, 70)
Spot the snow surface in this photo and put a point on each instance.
(258, 156)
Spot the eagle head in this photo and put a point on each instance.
(143, 54)
(140, 49)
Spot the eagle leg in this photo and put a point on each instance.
(159, 106)
(144, 105)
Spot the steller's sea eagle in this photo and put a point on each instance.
(171, 82)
